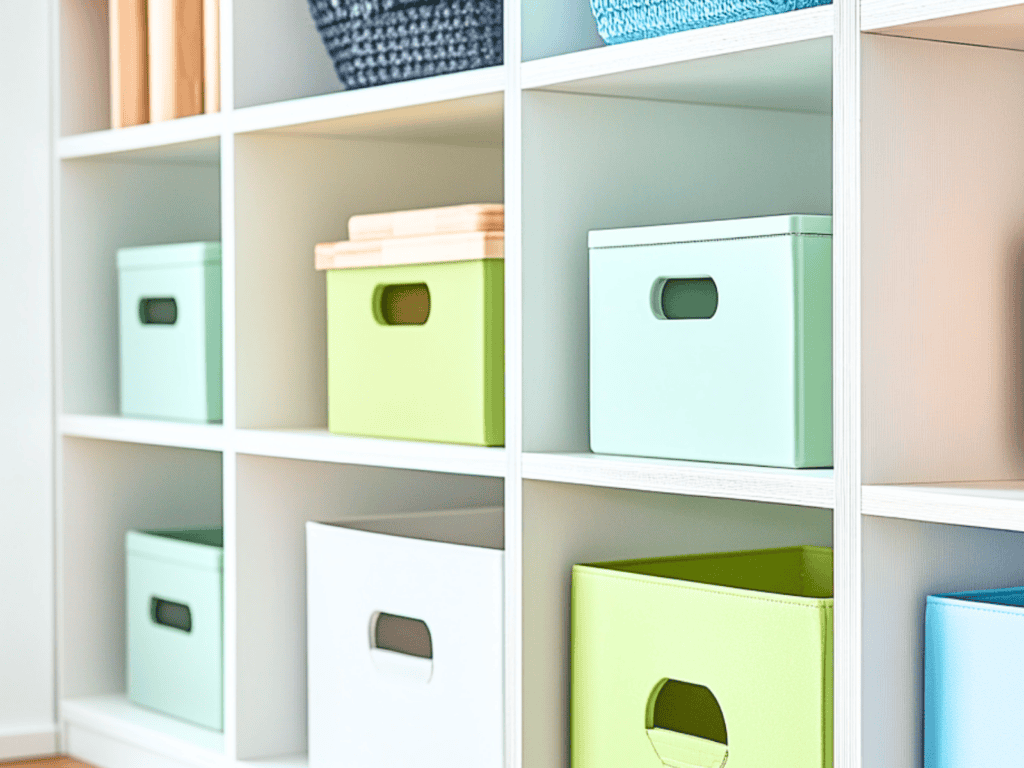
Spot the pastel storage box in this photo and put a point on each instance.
(713, 341)
(170, 320)
(415, 337)
(689, 662)
(405, 641)
(974, 679)
(175, 621)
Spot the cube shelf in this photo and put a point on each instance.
(900, 118)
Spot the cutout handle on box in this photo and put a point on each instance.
(402, 304)
(401, 646)
(684, 298)
(158, 311)
(686, 726)
(170, 614)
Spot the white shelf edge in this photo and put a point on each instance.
(960, 505)
(320, 445)
(411, 93)
(138, 137)
(763, 32)
(115, 717)
(801, 487)
(884, 14)
(206, 437)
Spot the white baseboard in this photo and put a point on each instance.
(103, 750)
(31, 741)
(111, 732)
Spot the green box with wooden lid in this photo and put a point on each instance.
(695, 661)
(712, 341)
(170, 331)
(175, 623)
(415, 337)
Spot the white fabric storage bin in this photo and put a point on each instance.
(405, 636)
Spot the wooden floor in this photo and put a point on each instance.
(48, 762)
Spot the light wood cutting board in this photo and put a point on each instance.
(465, 246)
(428, 221)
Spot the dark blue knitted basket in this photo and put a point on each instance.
(620, 21)
(373, 42)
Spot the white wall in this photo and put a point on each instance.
(26, 380)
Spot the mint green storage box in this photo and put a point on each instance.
(170, 320)
(713, 341)
(690, 662)
(175, 620)
(440, 380)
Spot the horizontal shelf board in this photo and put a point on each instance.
(207, 437)
(115, 716)
(974, 22)
(185, 140)
(295, 761)
(802, 487)
(463, 107)
(779, 62)
(993, 504)
(321, 445)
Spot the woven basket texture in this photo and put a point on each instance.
(620, 21)
(373, 42)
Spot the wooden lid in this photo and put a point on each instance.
(483, 217)
(467, 246)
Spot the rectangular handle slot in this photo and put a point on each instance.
(405, 304)
(401, 634)
(170, 614)
(685, 298)
(158, 311)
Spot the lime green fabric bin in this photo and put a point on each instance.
(690, 662)
(175, 621)
(170, 331)
(416, 351)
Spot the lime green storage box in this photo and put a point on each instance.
(175, 621)
(690, 662)
(713, 341)
(170, 321)
(416, 350)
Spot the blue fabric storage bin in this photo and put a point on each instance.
(620, 21)
(973, 679)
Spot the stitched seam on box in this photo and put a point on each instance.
(709, 589)
(1002, 612)
(710, 240)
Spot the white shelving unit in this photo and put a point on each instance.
(902, 118)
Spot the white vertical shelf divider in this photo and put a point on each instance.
(229, 379)
(514, 308)
(846, 384)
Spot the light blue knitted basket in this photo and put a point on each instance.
(620, 21)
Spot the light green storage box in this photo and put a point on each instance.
(175, 620)
(416, 350)
(713, 341)
(170, 319)
(691, 661)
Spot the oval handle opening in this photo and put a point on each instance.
(686, 708)
(158, 311)
(170, 614)
(403, 304)
(684, 298)
(400, 634)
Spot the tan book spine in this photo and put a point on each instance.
(211, 56)
(129, 71)
(175, 58)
